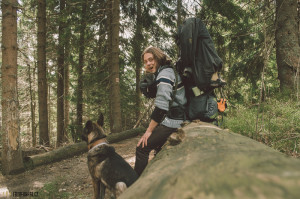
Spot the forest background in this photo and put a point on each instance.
(77, 58)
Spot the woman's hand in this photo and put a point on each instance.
(144, 139)
(147, 134)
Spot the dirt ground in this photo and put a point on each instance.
(69, 178)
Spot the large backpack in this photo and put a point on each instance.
(198, 56)
(198, 63)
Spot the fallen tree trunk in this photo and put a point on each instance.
(203, 161)
(116, 137)
(69, 151)
(61, 153)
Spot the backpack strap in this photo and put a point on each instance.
(174, 94)
(175, 87)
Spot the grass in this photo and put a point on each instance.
(52, 190)
(275, 123)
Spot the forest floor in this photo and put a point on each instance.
(69, 178)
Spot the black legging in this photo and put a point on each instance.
(155, 141)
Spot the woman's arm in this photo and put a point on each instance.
(147, 134)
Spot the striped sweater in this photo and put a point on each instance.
(165, 83)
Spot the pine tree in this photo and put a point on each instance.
(115, 98)
(137, 44)
(287, 45)
(42, 69)
(60, 75)
(11, 155)
(80, 66)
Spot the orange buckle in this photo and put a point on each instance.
(222, 105)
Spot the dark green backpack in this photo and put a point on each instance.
(197, 65)
(198, 59)
(203, 107)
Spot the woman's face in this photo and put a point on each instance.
(150, 63)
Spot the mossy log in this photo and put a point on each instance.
(203, 161)
(56, 155)
(116, 137)
(69, 151)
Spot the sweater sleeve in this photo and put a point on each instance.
(158, 115)
(165, 82)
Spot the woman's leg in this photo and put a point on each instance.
(156, 140)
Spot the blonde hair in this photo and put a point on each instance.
(161, 58)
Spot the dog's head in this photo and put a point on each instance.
(92, 132)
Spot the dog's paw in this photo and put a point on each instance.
(120, 188)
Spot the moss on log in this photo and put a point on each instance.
(116, 137)
(69, 151)
(61, 153)
(203, 161)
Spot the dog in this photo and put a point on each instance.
(107, 168)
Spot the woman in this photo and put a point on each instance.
(168, 113)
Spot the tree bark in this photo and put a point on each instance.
(66, 102)
(80, 69)
(116, 137)
(137, 49)
(108, 22)
(67, 77)
(75, 149)
(115, 98)
(42, 77)
(179, 21)
(298, 21)
(10, 136)
(287, 45)
(32, 105)
(204, 161)
(179, 12)
(60, 75)
(55, 155)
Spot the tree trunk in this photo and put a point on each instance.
(115, 98)
(55, 155)
(80, 69)
(298, 21)
(116, 137)
(67, 79)
(60, 76)
(137, 49)
(10, 136)
(179, 21)
(75, 149)
(298, 67)
(179, 15)
(204, 161)
(66, 102)
(49, 108)
(42, 77)
(108, 54)
(287, 45)
(32, 106)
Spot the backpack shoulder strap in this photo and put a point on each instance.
(174, 93)
(175, 87)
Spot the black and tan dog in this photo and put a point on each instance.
(107, 168)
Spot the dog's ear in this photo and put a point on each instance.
(100, 120)
(89, 125)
